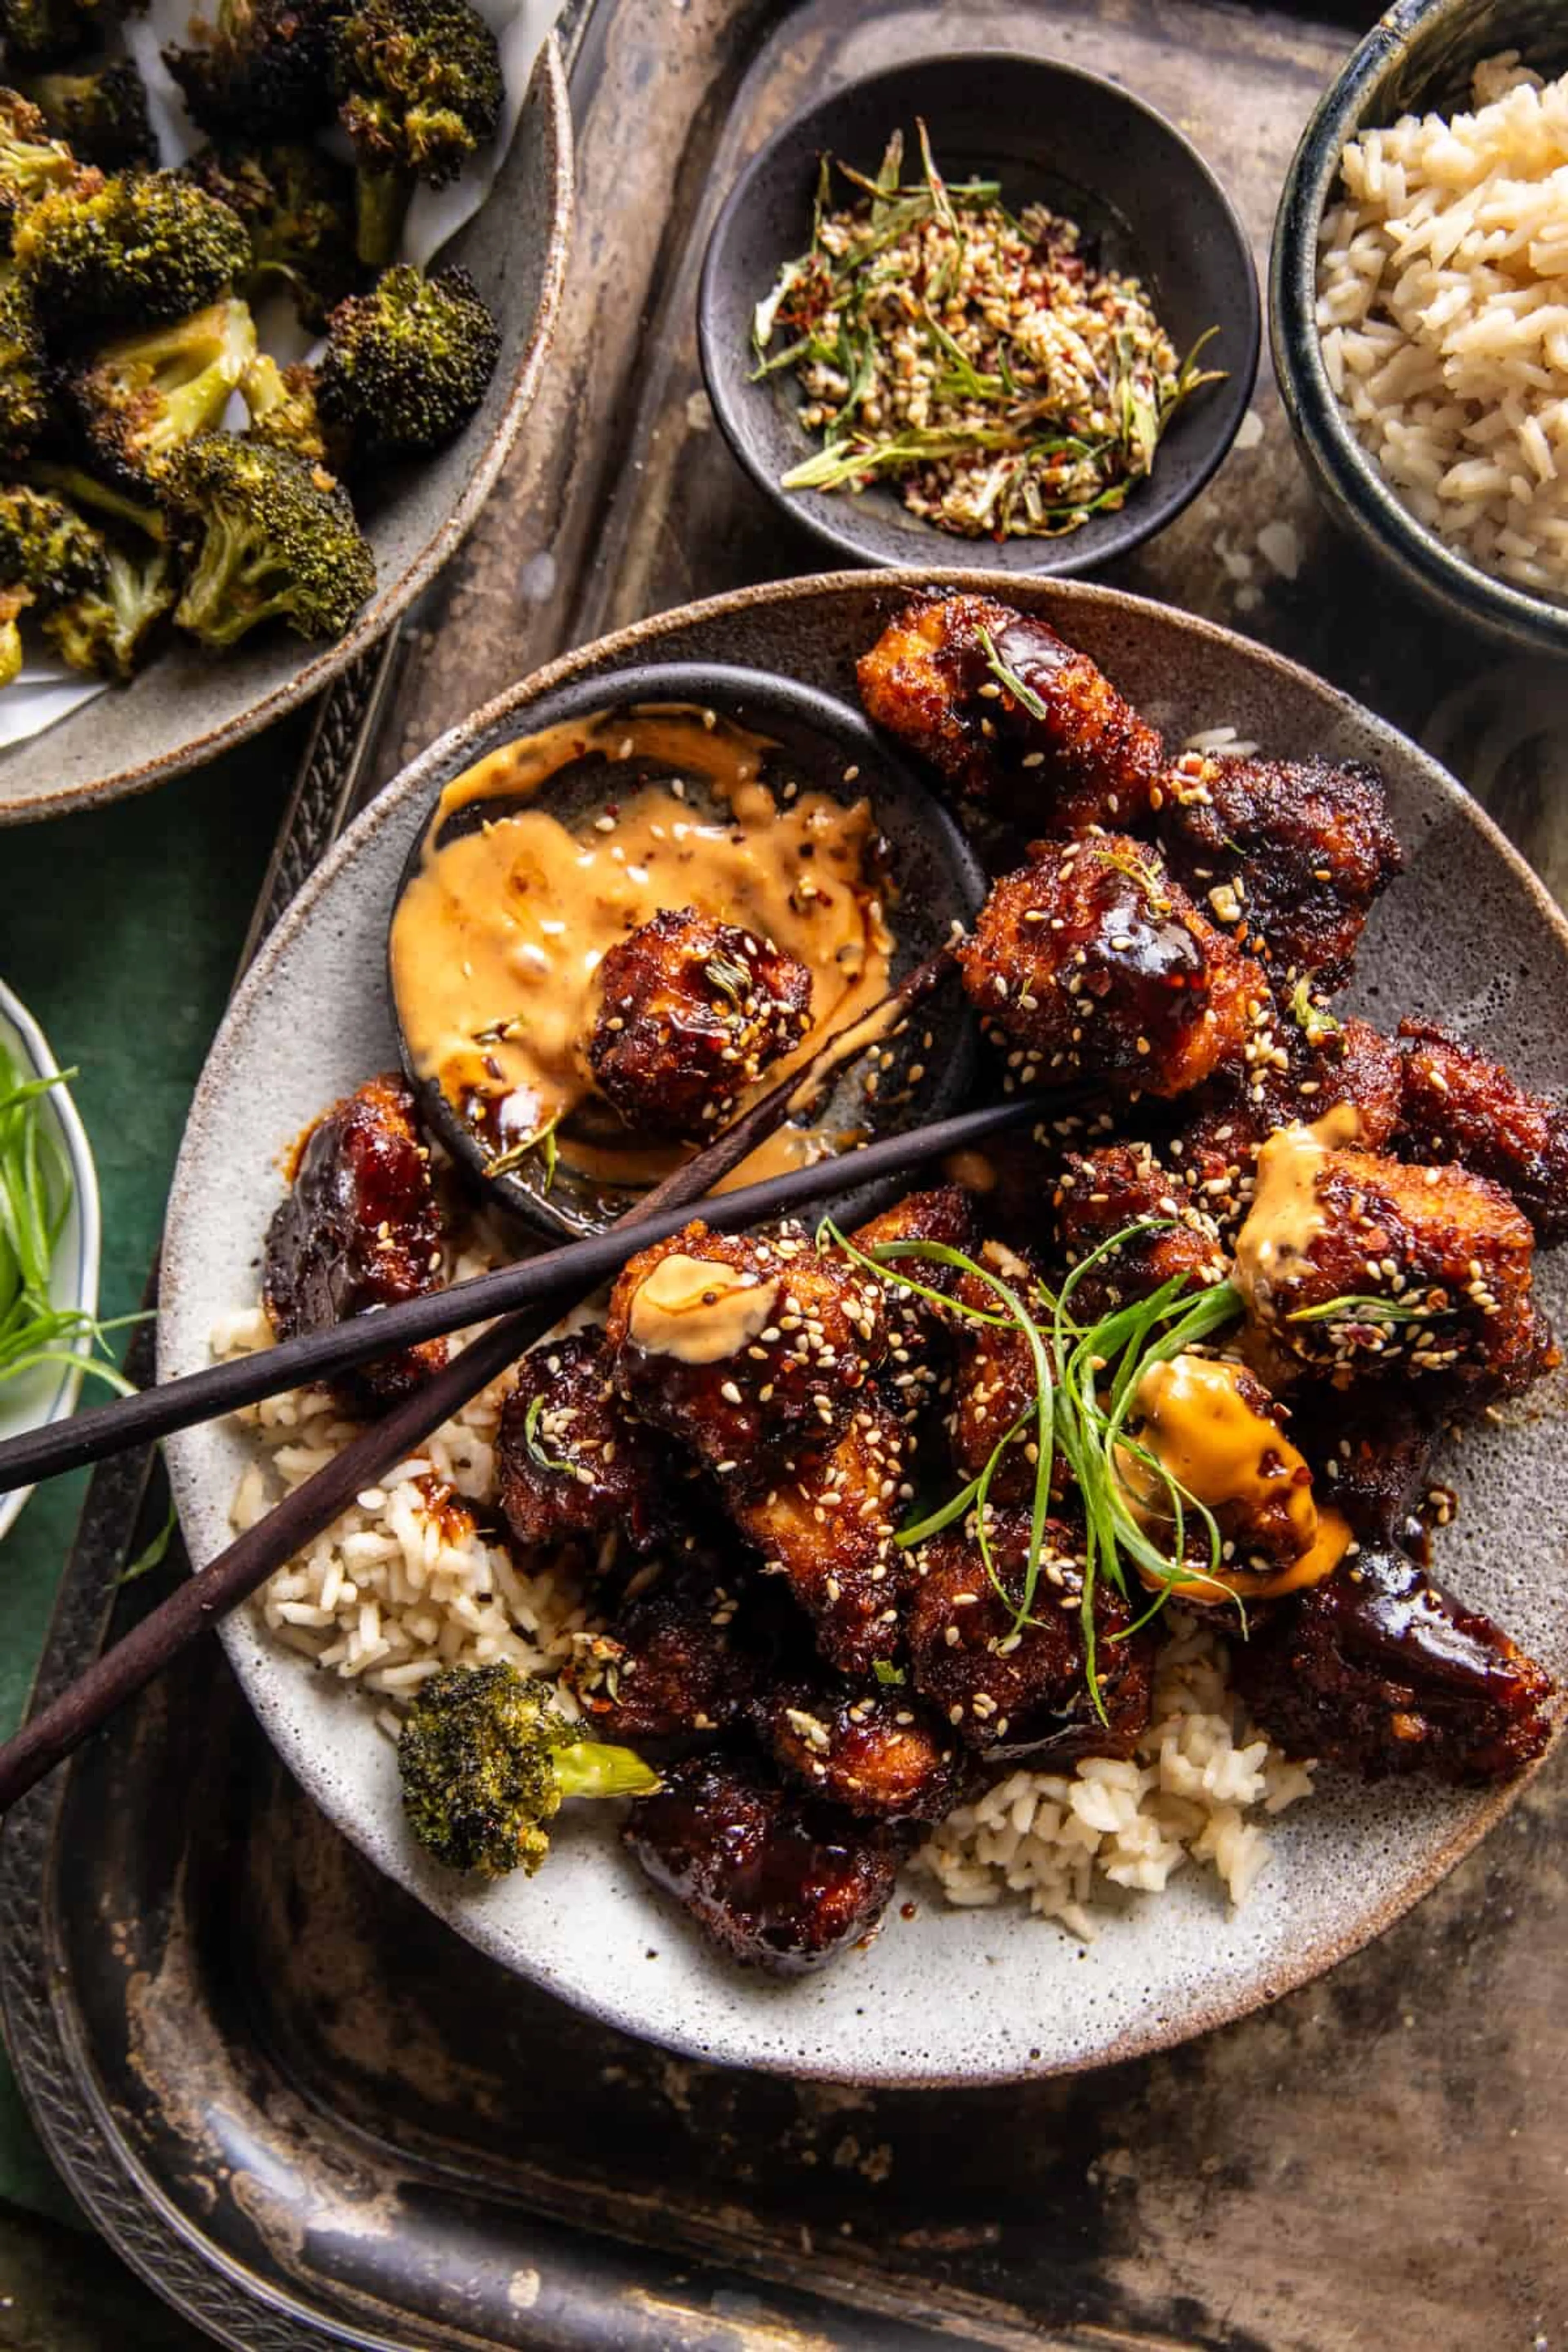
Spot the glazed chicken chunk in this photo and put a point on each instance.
(361, 1228)
(1381, 1670)
(747, 1347)
(1098, 1195)
(573, 1465)
(1288, 855)
(1011, 715)
(920, 1338)
(1090, 962)
(676, 1658)
(993, 1379)
(1458, 1106)
(1353, 1263)
(879, 1753)
(1009, 1690)
(692, 1012)
(777, 1879)
(828, 1523)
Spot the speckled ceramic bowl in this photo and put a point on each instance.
(187, 707)
(827, 747)
(1050, 132)
(949, 1996)
(1419, 55)
(50, 1393)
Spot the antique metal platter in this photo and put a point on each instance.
(299, 2105)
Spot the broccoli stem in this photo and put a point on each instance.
(592, 1768)
(381, 202)
(10, 652)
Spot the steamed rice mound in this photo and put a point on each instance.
(1443, 311)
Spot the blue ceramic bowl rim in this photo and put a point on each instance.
(1143, 518)
(1358, 492)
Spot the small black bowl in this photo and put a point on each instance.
(939, 881)
(1051, 134)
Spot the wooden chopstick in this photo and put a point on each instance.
(572, 1269)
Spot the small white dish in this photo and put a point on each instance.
(50, 1393)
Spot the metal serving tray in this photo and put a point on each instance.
(307, 2114)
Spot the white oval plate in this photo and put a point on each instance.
(50, 1393)
(952, 1996)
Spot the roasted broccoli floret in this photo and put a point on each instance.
(103, 256)
(13, 601)
(101, 112)
(282, 404)
(133, 506)
(42, 32)
(261, 72)
(23, 381)
(31, 162)
(106, 629)
(419, 87)
(268, 537)
(298, 205)
(46, 549)
(407, 365)
(486, 1759)
(145, 396)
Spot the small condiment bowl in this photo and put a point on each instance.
(1418, 59)
(49, 1394)
(821, 745)
(1051, 133)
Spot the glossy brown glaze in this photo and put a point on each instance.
(1456, 1105)
(573, 1465)
(880, 1752)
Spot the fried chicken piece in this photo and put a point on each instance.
(1381, 1670)
(677, 1657)
(1066, 754)
(920, 1338)
(879, 1753)
(777, 1880)
(1351, 1263)
(994, 1381)
(573, 1465)
(1455, 1105)
(1290, 855)
(827, 1524)
(1297, 1074)
(1371, 1449)
(361, 1228)
(1099, 1195)
(1024, 1692)
(692, 1012)
(1090, 962)
(747, 1347)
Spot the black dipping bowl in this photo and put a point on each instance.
(939, 881)
(1146, 200)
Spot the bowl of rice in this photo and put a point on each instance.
(1419, 302)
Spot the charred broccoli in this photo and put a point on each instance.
(41, 32)
(102, 112)
(407, 365)
(31, 162)
(128, 252)
(145, 396)
(106, 629)
(486, 1761)
(419, 87)
(298, 205)
(46, 548)
(131, 505)
(268, 536)
(263, 71)
(282, 404)
(23, 381)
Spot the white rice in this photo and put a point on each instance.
(404, 1584)
(1443, 309)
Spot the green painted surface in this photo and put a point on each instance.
(120, 930)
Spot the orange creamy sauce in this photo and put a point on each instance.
(497, 940)
(1216, 1444)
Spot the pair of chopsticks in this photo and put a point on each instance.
(527, 1297)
